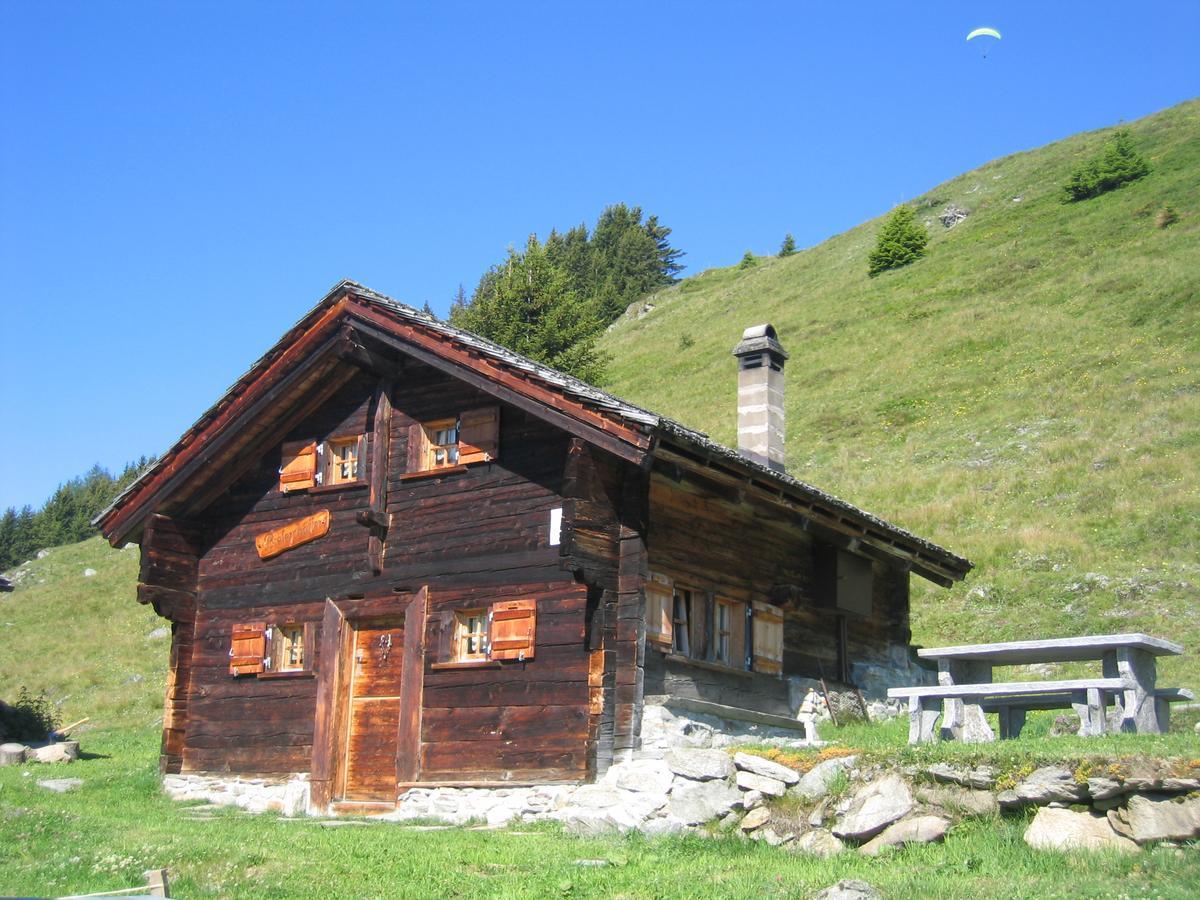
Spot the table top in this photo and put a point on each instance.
(1068, 649)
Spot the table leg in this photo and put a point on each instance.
(965, 721)
(1012, 720)
(1090, 707)
(1108, 664)
(1140, 712)
(922, 717)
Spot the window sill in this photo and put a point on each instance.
(432, 473)
(712, 666)
(329, 488)
(302, 673)
(467, 664)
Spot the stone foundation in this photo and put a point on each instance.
(287, 794)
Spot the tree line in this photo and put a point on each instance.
(551, 299)
(66, 517)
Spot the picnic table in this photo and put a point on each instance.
(966, 688)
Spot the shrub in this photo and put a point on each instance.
(1117, 164)
(788, 247)
(30, 718)
(747, 261)
(686, 341)
(901, 241)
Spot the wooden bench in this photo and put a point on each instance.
(966, 690)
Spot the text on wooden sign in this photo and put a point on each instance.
(277, 540)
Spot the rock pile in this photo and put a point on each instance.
(14, 753)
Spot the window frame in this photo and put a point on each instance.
(464, 634)
(433, 446)
(329, 461)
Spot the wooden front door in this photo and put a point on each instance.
(373, 717)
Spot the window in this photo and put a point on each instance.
(289, 648)
(341, 458)
(711, 629)
(470, 635)
(305, 465)
(471, 437)
(442, 440)
(265, 650)
(505, 630)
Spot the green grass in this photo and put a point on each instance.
(103, 835)
(1027, 395)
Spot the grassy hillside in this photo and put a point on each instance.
(1027, 395)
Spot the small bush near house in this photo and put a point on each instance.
(901, 241)
(1117, 164)
(29, 719)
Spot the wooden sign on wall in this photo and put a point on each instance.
(285, 537)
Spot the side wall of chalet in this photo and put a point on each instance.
(709, 536)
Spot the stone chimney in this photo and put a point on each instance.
(760, 396)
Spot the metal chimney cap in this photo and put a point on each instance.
(758, 338)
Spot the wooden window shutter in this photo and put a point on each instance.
(512, 629)
(768, 638)
(298, 466)
(418, 449)
(660, 625)
(737, 634)
(248, 648)
(478, 435)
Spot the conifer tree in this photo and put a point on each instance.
(901, 241)
(748, 260)
(1117, 164)
(788, 247)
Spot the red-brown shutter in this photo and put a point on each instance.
(418, 448)
(247, 648)
(660, 625)
(298, 469)
(512, 629)
(478, 435)
(768, 638)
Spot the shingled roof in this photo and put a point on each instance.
(925, 557)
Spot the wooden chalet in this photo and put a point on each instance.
(395, 553)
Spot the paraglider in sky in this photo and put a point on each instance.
(984, 33)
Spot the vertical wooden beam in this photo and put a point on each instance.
(329, 703)
(412, 693)
(380, 445)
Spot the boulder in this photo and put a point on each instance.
(60, 752)
(1063, 829)
(699, 765)
(747, 762)
(1046, 785)
(818, 842)
(980, 778)
(60, 785)
(816, 781)
(1104, 788)
(12, 754)
(701, 802)
(749, 781)
(648, 775)
(89, 573)
(875, 806)
(756, 819)
(159, 633)
(917, 830)
(772, 837)
(1163, 818)
(849, 889)
(955, 799)
(753, 800)
(1181, 785)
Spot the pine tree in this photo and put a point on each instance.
(748, 260)
(901, 241)
(788, 247)
(459, 301)
(1116, 165)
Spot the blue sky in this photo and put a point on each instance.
(179, 182)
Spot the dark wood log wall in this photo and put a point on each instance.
(708, 536)
(472, 536)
